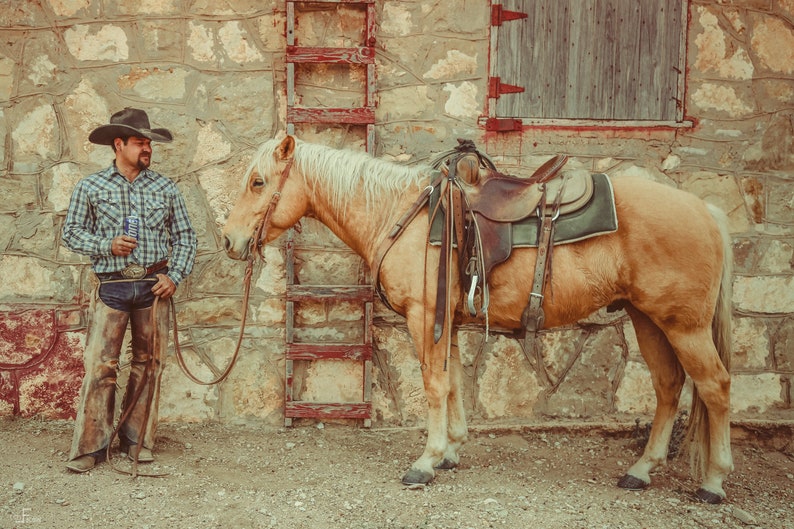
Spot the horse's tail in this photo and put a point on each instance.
(698, 432)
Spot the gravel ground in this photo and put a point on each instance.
(341, 476)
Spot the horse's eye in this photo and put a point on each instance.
(257, 182)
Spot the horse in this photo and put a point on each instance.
(669, 265)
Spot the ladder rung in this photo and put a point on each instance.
(360, 115)
(328, 410)
(361, 293)
(315, 351)
(301, 54)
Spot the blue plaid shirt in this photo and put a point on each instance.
(96, 213)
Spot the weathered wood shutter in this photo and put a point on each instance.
(591, 60)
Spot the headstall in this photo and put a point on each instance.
(257, 241)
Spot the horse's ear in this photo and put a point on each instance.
(286, 148)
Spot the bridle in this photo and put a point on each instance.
(256, 246)
(257, 241)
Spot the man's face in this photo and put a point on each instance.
(136, 152)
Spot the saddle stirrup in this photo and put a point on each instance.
(472, 292)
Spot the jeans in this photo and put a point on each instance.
(127, 295)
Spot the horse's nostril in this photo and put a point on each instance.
(227, 244)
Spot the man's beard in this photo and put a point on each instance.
(142, 164)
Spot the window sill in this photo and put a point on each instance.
(518, 124)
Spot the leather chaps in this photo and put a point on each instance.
(97, 406)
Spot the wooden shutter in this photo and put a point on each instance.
(592, 60)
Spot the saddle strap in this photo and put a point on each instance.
(451, 231)
(441, 283)
(395, 233)
(458, 209)
(533, 316)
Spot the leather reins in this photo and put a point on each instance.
(256, 246)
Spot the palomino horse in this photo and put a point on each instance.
(668, 265)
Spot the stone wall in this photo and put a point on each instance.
(214, 73)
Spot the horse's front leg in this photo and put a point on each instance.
(457, 430)
(436, 379)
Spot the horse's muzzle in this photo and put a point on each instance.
(239, 252)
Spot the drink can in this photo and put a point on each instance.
(131, 226)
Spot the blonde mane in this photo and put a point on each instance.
(344, 173)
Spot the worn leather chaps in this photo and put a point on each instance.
(97, 405)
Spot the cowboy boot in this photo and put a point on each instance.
(149, 347)
(94, 422)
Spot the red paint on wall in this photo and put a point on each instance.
(41, 365)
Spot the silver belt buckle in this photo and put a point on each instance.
(133, 271)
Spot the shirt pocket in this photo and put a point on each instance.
(156, 214)
(109, 214)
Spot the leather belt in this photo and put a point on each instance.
(134, 271)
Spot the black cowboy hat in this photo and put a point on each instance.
(128, 122)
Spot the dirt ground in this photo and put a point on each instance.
(342, 476)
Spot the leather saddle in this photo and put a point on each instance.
(479, 215)
(487, 204)
(502, 198)
(479, 210)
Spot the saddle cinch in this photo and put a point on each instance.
(492, 213)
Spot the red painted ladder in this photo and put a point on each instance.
(361, 293)
(361, 55)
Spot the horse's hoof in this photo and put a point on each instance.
(629, 482)
(446, 464)
(417, 477)
(708, 497)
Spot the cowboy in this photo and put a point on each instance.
(133, 225)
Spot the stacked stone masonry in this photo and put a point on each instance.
(214, 73)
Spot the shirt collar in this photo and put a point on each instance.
(113, 170)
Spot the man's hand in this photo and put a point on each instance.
(164, 288)
(123, 245)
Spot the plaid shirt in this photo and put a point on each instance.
(96, 213)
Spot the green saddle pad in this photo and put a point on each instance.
(597, 217)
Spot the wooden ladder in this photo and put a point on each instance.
(359, 293)
(363, 55)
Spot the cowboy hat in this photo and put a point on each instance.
(128, 122)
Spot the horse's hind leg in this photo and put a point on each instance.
(457, 431)
(668, 379)
(710, 431)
